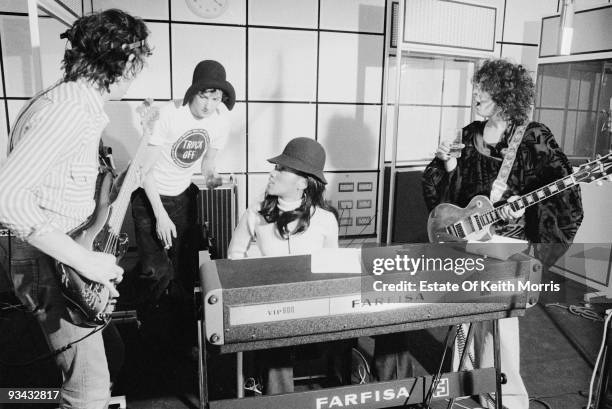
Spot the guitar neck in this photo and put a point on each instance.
(132, 178)
(530, 199)
(120, 205)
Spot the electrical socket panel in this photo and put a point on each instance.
(354, 195)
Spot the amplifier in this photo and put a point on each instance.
(275, 301)
(218, 209)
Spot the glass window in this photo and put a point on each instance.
(574, 101)
(435, 95)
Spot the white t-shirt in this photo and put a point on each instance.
(253, 229)
(184, 140)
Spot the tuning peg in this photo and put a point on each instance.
(599, 183)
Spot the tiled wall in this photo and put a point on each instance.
(300, 68)
(310, 68)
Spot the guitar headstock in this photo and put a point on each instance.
(597, 169)
(148, 115)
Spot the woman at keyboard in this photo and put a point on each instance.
(293, 218)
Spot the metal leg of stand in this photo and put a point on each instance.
(497, 363)
(600, 390)
(202, 368)
(601, 396)
(450, 340)
(239, 375)
(464, 356)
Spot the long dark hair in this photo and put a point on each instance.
(312, 198)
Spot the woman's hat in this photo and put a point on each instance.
(210, 74)
(304, 155)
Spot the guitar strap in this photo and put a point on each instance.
(499, 185)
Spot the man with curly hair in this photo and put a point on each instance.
(47, 189)
(503, 95)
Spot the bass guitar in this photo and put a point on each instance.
(448, 222)
(90, 303)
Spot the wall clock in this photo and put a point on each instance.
(208, 8)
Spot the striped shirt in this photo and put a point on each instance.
(49, 178)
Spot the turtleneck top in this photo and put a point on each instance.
(254, 233)
(288, 205)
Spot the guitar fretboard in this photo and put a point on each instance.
(473, 222)
(120, 205)
(131, 182)
(529, 199)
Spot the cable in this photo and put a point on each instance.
(541, 402)
(579, 311)
(346, 226)
(365, 226)
(603, 344)
(363, 371)
(56, 351)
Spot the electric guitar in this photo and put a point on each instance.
(90, 303)
(448, 222)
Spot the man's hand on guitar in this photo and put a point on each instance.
(508, 214)
(166, 229)
(102, 268)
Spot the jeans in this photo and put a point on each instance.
(84, 368)
(392, 357)
(159, 266)
(170, 273)
(276, 365)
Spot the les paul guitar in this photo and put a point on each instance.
(448, 222)
(90, 303)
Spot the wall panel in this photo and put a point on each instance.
(282, 65)
(193, 43)
(284, 13)
(154, 80)
(350, 135)
(272, 125)
(350, 68)
(353, 15)
(152, 9)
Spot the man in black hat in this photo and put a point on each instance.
(185, 140)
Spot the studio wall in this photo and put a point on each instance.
(311, 68)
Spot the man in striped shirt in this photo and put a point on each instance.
(47, 188)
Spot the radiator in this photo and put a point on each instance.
(218, 209)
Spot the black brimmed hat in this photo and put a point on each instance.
(304, 155)
(210, 74)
